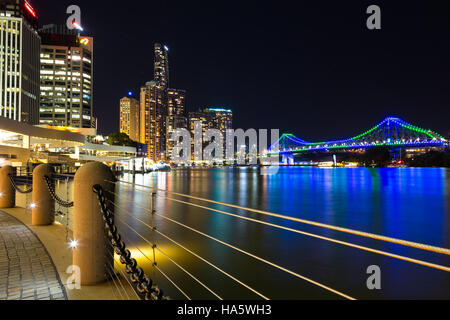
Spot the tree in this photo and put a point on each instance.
(431, 159)
(378, 156)
(121, 139)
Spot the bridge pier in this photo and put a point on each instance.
(287, 159)
(396, 153)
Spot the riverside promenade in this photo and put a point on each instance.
(34, 261)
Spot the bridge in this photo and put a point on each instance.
(391, 132)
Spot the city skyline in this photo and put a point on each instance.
(357, 74)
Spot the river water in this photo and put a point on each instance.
(405, 203)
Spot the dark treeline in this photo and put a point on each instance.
(431, 159)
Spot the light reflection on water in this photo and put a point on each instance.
(410, 204)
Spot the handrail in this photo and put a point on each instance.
(192, 276)
(157, 268)
(407, 243)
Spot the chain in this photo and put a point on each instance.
(51, 189)
(144, 284)
(67, 211)
(11, 178)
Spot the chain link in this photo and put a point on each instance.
(11, 179)
(145, 287)
(51, 189)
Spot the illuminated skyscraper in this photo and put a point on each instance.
(129, 117)
(152, 133)
(176, 116)
(162, 109)
(66, 78)
(19, 55)
(161, 72)
(211, 118)
(222, 119)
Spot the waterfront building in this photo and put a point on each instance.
(152, 124)
(161, 65)
(19, 55)
(162, 110)
(212, 118)
(206, 118)
(176, 116)
(66, 78)
(222, 119)
(129, 117)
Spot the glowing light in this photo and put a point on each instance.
(73, 244)
(84, 41)
(77, 26)
(30, 9)
(166, 48)
(1, 194)
(130, 93)
(220, 110)
(33, 205)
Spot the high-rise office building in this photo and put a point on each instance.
(212, 118)
(153, 106)
(176, 116)
(222, 119)
(162, 109)
(161, 72)
(152, 124)
(66, 78)
(129, 117)
(19, 56)
(206, 118)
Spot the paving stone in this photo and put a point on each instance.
(26, 270)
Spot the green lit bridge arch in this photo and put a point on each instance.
(392, 132)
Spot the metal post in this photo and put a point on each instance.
(91, 255)
(153, 208)
(7, 191)
(42, 203)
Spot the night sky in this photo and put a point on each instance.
(311, 68)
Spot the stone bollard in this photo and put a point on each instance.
(43, 210)
(7, 191)
(93, 255)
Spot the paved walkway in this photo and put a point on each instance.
(26, 270)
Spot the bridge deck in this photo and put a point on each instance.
(27, 271)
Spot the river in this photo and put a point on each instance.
(405, 203)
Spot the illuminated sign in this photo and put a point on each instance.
(30, 9)
(84, 41)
